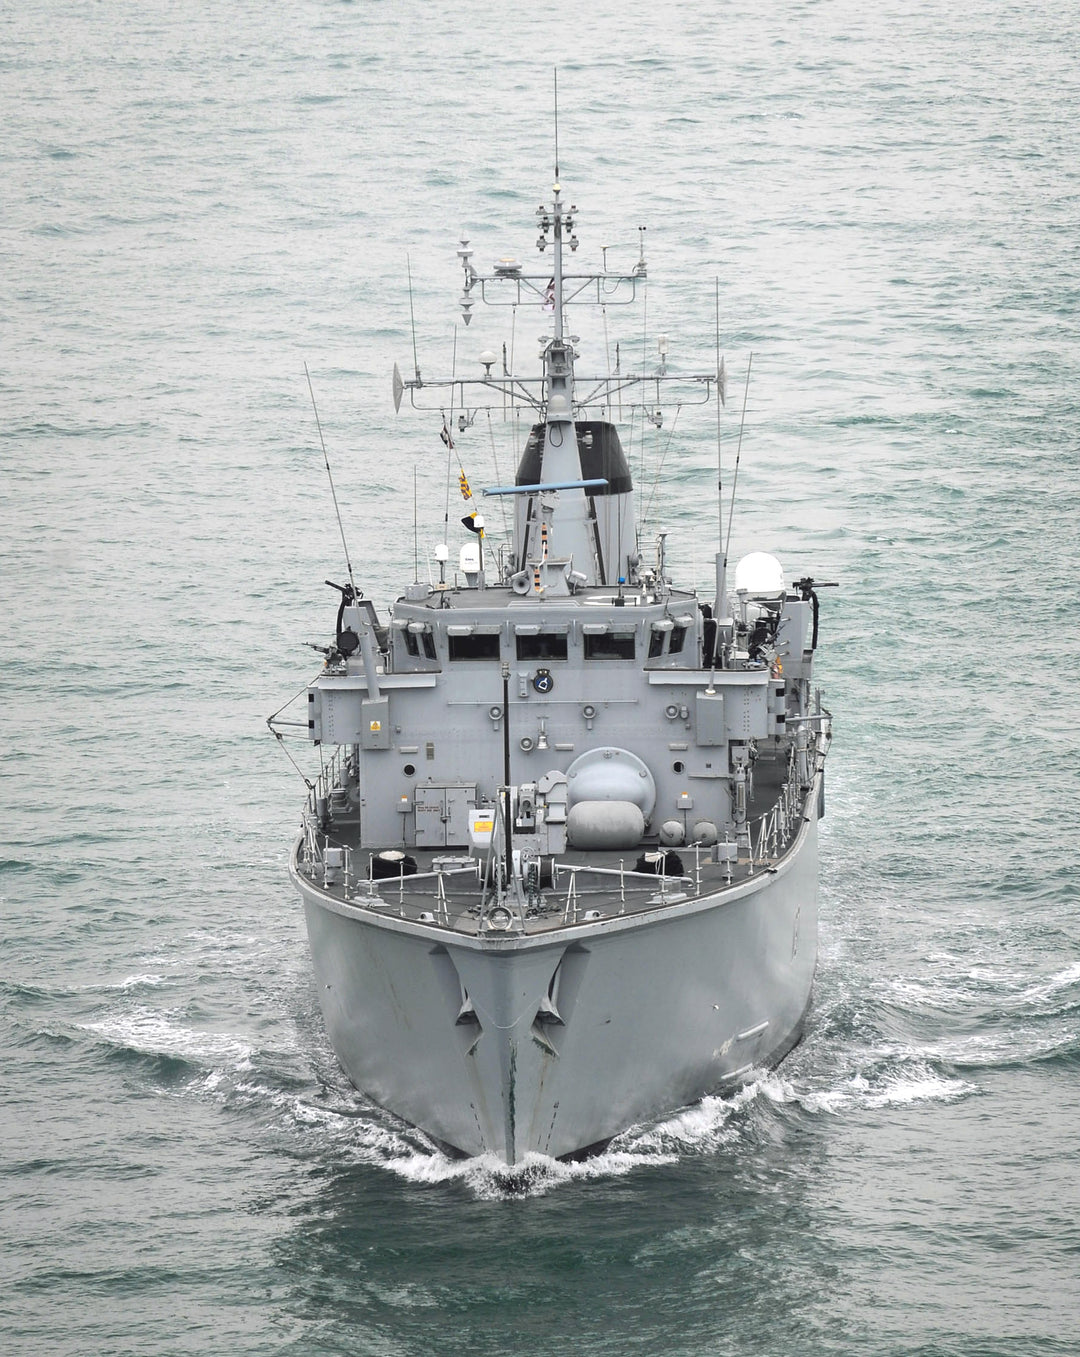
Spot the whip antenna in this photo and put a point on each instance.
(720, 607)
(720, 402)
(556, 124)
(330, 478)
(412, 321)
(738, 454)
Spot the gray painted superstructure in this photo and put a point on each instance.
(560, 872)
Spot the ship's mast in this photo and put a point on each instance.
(570, 529)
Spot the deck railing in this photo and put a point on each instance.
(768, 837)
(763, 841)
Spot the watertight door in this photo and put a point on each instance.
(430, 805)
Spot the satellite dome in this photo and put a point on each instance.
(760, 575)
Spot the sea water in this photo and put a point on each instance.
(197, 201)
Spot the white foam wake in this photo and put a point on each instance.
(154, 1033)
(895, 1085)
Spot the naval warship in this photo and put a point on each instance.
(559, 868)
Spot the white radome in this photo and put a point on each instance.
(760, 575)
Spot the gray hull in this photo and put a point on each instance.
(559, 865)
(577, 1034)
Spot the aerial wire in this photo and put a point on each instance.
(660, 467)
(448, 439)
(330, 477)
(498, 477)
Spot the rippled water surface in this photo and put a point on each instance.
(199, 200)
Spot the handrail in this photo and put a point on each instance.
(766, 840)
(775, 830)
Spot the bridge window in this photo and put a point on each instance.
(545, 645)
(610, 645)
(474, 647)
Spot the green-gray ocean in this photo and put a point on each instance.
(195, 200)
